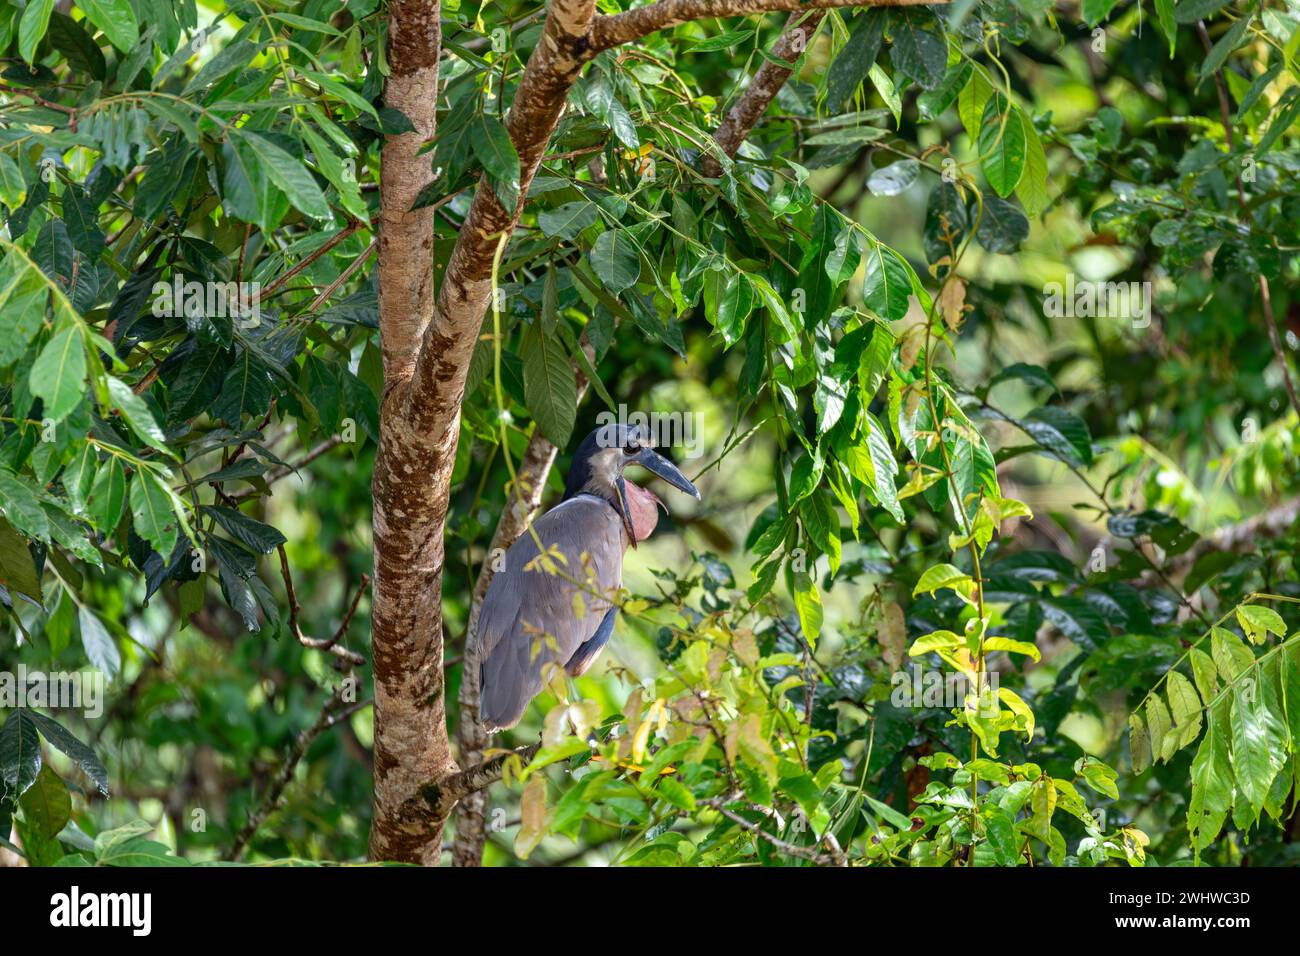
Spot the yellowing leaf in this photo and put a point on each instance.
(533, 816)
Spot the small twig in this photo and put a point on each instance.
(835, 858)
(344, 276)
(68, 111)
(335, 711)
(330, 646)
(285, 471)
(307, 260)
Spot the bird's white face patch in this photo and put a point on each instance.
(606, 467)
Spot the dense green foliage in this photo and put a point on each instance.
(923, 450)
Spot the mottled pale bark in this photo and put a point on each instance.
(406, 238)
(411, 745)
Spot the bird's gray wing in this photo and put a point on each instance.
(530, 617)
(586, 655)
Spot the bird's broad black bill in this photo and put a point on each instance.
(657, 464)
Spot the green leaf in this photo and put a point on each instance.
(823, 526)
(884, 466)
(733, 305)
(1098, 776)
(101, 649)
(58, 375)
(1003, 227)
(339, 174)
(1256, 89)
(1139, 743)
(1185, 705)
(1032, 188)
(934, 103)
(920, 48)
(231, 57)
(259, 537)
(850, 66)
(151, 512)
(1168, 26)
(1012, 647)
(1258, 737)
(843, 258)
(136, 414)
(20, 752)
(32, 27)
(945, 576)
(599, 99)
(972, 101)
(1231, 657)
(565, 222)
(1094, 11)
(58, 737)
(19, 503)
(491, 144)
(724, 41)
(1061, 433)
(108, 495)
(1204, 673)
(1189, 11)
(116, 18)
(808, 604)
(1258, 622)
(893, 179)
(73, 40)
(1160, 726)
(1282, 122)
(888, 282)
(1002, 145)
(1219, 53)
(13, 190)
(17, 569)
(1076, 619)
(676, 793)
(285, 171)
(935, 641)
(47, 805)
(1000, 830)
(245, 391)
(616, 261)
(139, 852)
(550, 389)
(1211, 781)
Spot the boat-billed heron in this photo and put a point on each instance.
(532, 615)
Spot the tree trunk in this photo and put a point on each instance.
(411, 745)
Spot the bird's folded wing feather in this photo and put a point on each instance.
(531, 616)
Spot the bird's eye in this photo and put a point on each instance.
(631, 448)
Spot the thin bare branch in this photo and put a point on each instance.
(620, 28)
(336, 710)
(330, 646)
